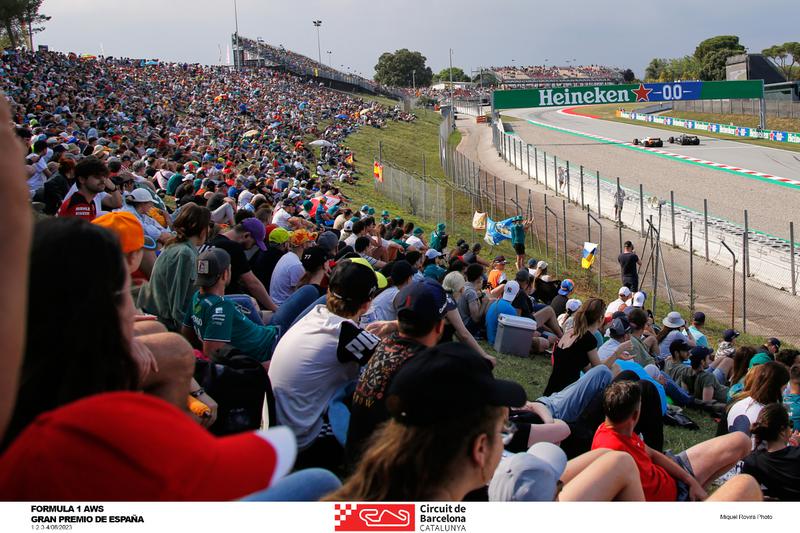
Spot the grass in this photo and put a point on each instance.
(607, 112)
(454, 140)
(531, 373)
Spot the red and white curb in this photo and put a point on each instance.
(704, 162)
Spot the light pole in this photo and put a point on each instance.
(330, 63)
(317, 24)
(237, 58)
(451, 80)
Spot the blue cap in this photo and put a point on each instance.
(567, 286)
(425, 301)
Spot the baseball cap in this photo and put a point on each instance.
(500, 259)
(308, 205)
(432, 253)
(532, 262)
(139, 196)
(210, 266)
(759, 359)
(365, 208)
(530, 477)
(257, 230)
(573, 304)
(348, 226)
(128, 229)
(774, 342)
(384, 213)
(423, 391)
(453, 282)
(542, 265)
(698, 353)
(699, 317)
(313, 258)
(418, 231)
(639, 299)
(328, 241)
(301, 236)
(729, 334)
(624, 291)
(425, 301)
(679, 345)
(401, 271)
(619, 326)
(511, 291)
(567, 286)
(278, 236)
(351, 280)
(127, 446)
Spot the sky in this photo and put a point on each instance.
(618, 33)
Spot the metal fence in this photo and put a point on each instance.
(775, 108)
(729, 265)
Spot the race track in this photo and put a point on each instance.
(771, 205)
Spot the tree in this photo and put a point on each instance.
(654, 69)
(780, 54)
(458, 75)
(628, 75)
(715, 44)
(487, 78)
(19, 20)
(403, 68)
(712, 68)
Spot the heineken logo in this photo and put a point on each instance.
(584, 95)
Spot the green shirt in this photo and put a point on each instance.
(171, 285)
(707, 379)
(173, 182)
(216, 319)
(640, 351)
(679, 372)
(517, 234)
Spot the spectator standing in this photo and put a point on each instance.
(629, 264)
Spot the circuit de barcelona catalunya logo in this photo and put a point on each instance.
(374, 517)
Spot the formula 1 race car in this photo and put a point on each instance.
(649, 142)
(684, 139)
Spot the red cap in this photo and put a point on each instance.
(269, 228)
(125, 446)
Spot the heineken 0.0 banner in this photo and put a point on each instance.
(622, 94)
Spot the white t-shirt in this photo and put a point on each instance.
(747, 407)
(415, 241)
(607, 349)
(316, 357)
(287, 273)
(281, 218)
(351, 240)
(381, 308)
(245, 197)
(614, 306)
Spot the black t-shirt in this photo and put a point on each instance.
(559, 304)
(628, 262)
(523, 302)
(239, 263)
(568, 363)
(545, 291)
(778, 471)
(469, 258)
(263, 263)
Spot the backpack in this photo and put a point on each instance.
(240, 386)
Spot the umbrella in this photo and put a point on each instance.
(341, 116)
(251, 133)
(321, 142)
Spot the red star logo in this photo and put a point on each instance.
(642, 93)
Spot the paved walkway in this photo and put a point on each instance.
(769, 311)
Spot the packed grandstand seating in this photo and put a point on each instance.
(552, 72)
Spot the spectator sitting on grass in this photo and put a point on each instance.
(643, 346)
(771, 347)
(774, 463)
(474, 302)
(674, 329)
(764, 385)
(698, 322)
(497, 275)
(791, 399)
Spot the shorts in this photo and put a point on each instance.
(683, 461)
(519, 249)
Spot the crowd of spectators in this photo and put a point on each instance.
(205, 315)
(553, 72)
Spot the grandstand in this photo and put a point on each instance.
(513, 77)
(256, 52)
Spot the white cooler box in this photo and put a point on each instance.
(514, 335)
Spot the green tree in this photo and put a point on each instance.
(654, 69)
(403, 68)
(729, 43)
(628, 75)
(487, 78)
(780, 54)
(458, 75)
(712, 68)
(19, 20)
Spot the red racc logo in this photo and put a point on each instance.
(374, 517)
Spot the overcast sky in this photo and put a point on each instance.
(618, 33)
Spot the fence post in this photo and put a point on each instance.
(569, 195)
(745, 253)
(495, 196)
(528, 158)
(555, 175)
(672, 214)
(544, 158)
(536, 163)
(705, 225)
(564, 215)
(598, 194)
(691, 268)
(641, 208)
(546, 230)
(521, 166)
(516, 199)
(504, 198)
(423, 166)
(514, 150)
(746, 262)
(380, 152)
(582, 202)
(792, 259)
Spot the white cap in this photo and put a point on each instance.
(348, 226)
(140, 196)
(638, 299)
(541, 265)
(531, 476)
(624, 291)
(511, 291)
(573, 304)
(432, 254)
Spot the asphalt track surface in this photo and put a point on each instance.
(770, 205)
